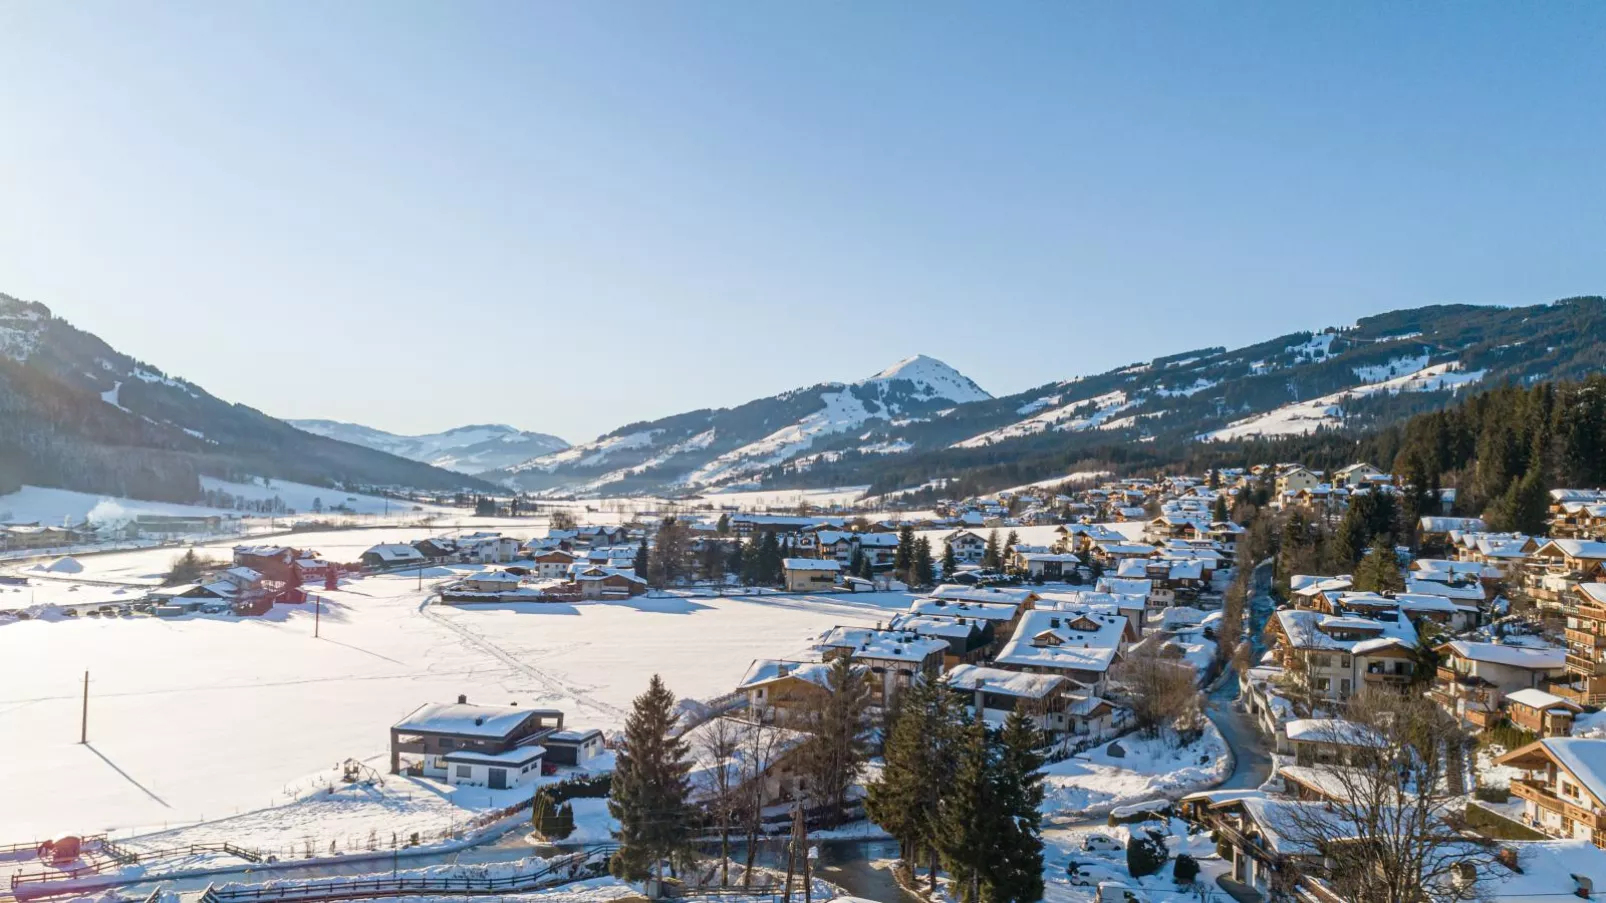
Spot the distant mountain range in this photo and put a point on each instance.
(76, 413)
(921, 419)
(465, 449)
(733, 445)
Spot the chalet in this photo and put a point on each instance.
(486, 548)
(1434, 532)
(895, 657)
(436, 548)
(1047, 698)
(392, 555)
(1079, 646)
(490, 746)
(1331, 656)
(1359, 475)
(1576, 560)
(968, 639)
(1047, 565)
(968, 546)
(880, 548)
(491, 582)
(1564, 792)
(1020, 597)
(1326, 741)
(1002, 615)
(551, 564)
(609, 583)
(1258, 837)
(1542, 714)
(1294, 479)
(803, 575)
(601, 535)
(785, 693)
(779, 778)
(1586, 645)
(1578, 513)
(1474, 678)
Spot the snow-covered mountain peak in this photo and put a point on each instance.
(932, 378)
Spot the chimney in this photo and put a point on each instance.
(1586, 886)
(462, 699)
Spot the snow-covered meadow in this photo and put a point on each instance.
(204, 717)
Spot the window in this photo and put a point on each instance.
(465, 771)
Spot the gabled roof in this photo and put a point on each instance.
(811, 564)
(1585, 758)
(1539, 699)
(1535, 659)
(469, 720)
(1004, 683)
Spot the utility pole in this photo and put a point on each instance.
(83, 726)
(791, 852)
(317, 614)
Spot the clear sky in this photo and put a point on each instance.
(571, 215)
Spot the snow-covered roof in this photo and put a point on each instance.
(395, 552)
(1365, 647)
(515, 757)
(1577, 548)
(955, 592)
(1594, 592)
(1537, 659)
(1092, 600)
(1332, 730)
(811, 564)
(869, 642)
(1548, 867)
(1446, 524)
(1046, 639)
(1006, 683)
(951, 628)
(986, 611)
(1539, 699)
(468, 719)
(768, 670)
(1125, 586)
(1585, 758)
(1306, 629)
(1469, 592)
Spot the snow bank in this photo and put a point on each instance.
(1095, 782)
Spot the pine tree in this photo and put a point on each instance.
(837, 747)
(643, 560)
(992, 556)
(769, 559)
(1219, 512)
(920, 758)
(650, 795)
(856, 562)
(723, 528)
(970, 824)
(1019, 799)
(950, 564)
(903, 560)
(1009, 547)
(924, 569)
(1379, 571)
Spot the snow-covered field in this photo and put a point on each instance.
(55, 507)
(1096, 782)
(203, 717)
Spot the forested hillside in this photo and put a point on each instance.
(77, 414)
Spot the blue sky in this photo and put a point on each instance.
(569, 216)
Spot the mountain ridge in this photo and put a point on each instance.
(470, 449)
(1383, 367)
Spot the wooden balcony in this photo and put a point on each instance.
(1387, 679)
(1537, 794)
(1482, 718)
(1585, 665)
(1584, 639)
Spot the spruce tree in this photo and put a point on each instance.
(950, 564)
(904, 558)
(1219, 512)
(769, 559)
(643, 560)
(856, 562)
(1019, 798)
(650, 796)
(837, 746)
(920, 760)
(723, 528)
(971, 828)
(992, 557)
(924, 569)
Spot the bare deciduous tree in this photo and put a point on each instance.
(1158, 687)
(718, 749)
(1386, 832)
(759, 747)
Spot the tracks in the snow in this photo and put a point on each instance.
(546, 681)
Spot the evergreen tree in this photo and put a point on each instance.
(650, 795)
(856, 562)
(769, 559)
(903, 560)
(837, 746)
(1009, 547)
(925, 570)
(643, 560)
(1019, 797)
(970, 827)
(950, 565)
(1524, 507)
(992, 557)
(723, 528)
(1219, 512)
(920, 758)
(1379, 571)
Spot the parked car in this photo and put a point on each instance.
(1102, 843)
(1091, 874)
(1116, 892)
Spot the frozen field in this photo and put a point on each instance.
(202, 718)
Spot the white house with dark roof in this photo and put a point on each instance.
(482, 745)
(1078, 646)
